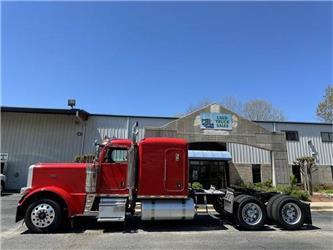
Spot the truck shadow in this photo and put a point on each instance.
(134, 225)
(201, 223)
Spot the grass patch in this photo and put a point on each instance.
(323, 188)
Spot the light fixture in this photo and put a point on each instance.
(71, 103)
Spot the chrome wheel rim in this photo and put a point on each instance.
(42, 215)
(252, 214)
(291, 213)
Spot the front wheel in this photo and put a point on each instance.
(43, 216)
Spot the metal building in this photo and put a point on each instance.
(31, 135)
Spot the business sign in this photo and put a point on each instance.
(215, 121)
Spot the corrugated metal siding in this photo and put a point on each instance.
(30, 138)
(100, 126)
(147, 122)
(119, 127)
(306, 132)
(245, 154)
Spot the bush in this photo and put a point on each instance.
(322, 187)
(299, 194)
(197, 185)
(268, 184)
(89, 158)
(240, 183)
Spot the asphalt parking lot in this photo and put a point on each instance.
(205, 232)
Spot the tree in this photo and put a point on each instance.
(307, 167)
(193, 107)
(261, 110)
(233, 104)
(325, 107)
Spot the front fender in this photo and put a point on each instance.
(45, 192)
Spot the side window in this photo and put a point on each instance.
(115, 155)
(119, 155)
(326, 136)
(291, 135)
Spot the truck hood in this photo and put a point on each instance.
(69, 176)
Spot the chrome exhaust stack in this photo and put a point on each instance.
(132, 167)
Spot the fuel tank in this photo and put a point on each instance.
(167, 209)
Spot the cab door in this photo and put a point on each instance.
(174, 170)
(113, 174)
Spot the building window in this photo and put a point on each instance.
(256, 173)
(291, 135)
(326, 136)
(297, 173)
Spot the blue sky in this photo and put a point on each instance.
(153, 58)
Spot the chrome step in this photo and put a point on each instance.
(112, 209)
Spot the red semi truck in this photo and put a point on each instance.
(152, 175)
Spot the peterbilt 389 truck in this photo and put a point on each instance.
(149, 179)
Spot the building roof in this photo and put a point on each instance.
(295, 122)
(41, 110)
(73, 112)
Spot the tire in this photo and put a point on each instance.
(288, 213)
(237, 198)
(270, 205)
(251, 213)
(43, 216)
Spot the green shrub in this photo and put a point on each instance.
(299, 194)
(268, 184)
(323, 188)
(197, 185)
(287, 190)
(84, 158)
(293, 181)
(240, 183)
(77, 158)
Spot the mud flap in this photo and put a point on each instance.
(229, 202)
(308, 217)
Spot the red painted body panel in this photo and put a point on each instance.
(121, 142)
(74, 201)
(163, 167)
(113, 179)
(65, 179)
